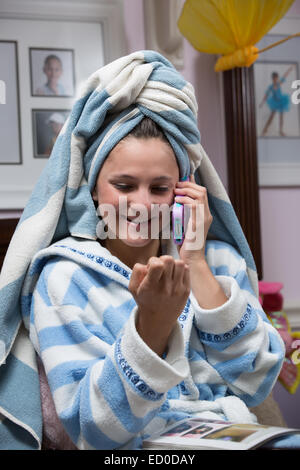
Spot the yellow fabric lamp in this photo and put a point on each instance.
(230, 28)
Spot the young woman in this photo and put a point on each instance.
(159, 284)
(135, 332)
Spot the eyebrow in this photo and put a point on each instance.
(157, 178)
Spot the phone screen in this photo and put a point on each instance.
(178, 220)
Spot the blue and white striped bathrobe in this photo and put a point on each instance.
(110, 389)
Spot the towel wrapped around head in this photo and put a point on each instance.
(112, 102)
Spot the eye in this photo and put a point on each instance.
(130, 187)
(123, 186)
(160, 189)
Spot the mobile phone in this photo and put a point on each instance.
(178, 220)
(177, 223)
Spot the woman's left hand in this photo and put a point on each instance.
(195, 196)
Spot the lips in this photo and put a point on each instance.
(136, 221)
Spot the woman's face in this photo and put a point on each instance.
(140, 173)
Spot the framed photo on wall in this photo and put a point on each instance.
(275, 114)
(10, 132)
(46, 125)
(276, 73)
(52, 72)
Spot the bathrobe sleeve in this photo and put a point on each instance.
(238, 339)
(106, 383)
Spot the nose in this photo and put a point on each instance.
(140, 202)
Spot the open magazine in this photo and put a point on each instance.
(196, 433)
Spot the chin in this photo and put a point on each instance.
(136, 242)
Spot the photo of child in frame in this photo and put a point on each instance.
(276, 116)
(277, 101)
(47, 124)
(52, 72)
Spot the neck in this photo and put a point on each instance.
(130, 255)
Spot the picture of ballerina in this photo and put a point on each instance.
(277, 116)
(277, 101)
